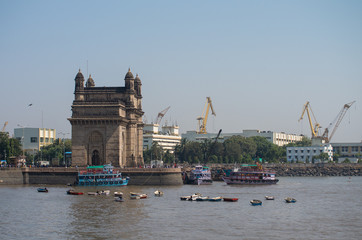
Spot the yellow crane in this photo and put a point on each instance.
(6, 123)
(203, 118)
(314, 128)
(336, 122)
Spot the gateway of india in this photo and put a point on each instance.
(107, 125)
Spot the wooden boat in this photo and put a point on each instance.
(141, 195)
(135, 197)
(158, 193)
(118, 194)
(256, 202)
(215, 199)
(201, 199)
(119, 199)
(269, 197)
(231, 199)
(104, 192)
(73, 192)
(92, 193)
(42, 190)
(290, 200)
(191, 197)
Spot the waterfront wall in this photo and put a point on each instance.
(300, 170)
(55, 176)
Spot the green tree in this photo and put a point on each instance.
(9, 147)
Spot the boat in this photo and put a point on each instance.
(190, 197)
(250, 175)
(269, 197)
(201, 175)
(118, 194)
(119, 199)
(256, 202)
(103, 175)
(104, 192)
(201, 199)
(140, 195)
(215, 199)
(73, 192)
(42, 190)
(230, 199)
(290, 200)
(93, 193)
(158, 193)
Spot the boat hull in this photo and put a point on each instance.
(231, 181)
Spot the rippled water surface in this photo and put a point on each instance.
(326, 208)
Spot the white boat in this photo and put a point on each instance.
(104, 192)
(92, 193)
(140, 195)
(158, 193)
(118, 194)
(269, 197)
(119, 199)
(189, 198)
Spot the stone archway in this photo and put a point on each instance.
(96, 148)
(95, 158)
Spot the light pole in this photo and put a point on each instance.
(22, 141)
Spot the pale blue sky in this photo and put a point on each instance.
(259, 61)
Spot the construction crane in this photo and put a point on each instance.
(161, 114)
(336, 122)
(6, 123)
(314, 128)
(203, 119)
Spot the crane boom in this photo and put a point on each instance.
(203, 118)
(338, 120)
(3, 129)
(161, 114)
(315, 128)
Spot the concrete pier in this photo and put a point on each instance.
(59, 175)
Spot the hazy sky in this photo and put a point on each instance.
(259, 61)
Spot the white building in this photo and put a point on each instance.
(279, 139)
(306, 154)
(167, 138)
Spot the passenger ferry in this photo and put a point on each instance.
(103, 175)
(250, 175)
(200, 176)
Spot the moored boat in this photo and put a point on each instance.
(250, 175)
(201, 199)
(215, 199)
(73, 192)
(269, 197)
(158, 193)
(140, 195)
(103, 175)
(119, 199)
(104, 192)
(118, 194)
(42, 190)
(256, 202)
(230, 199)
(191, 197)
(201, 175)
(92, 193)
(290, 200)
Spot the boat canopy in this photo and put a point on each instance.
(95, 167)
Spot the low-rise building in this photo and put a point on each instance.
(350, 151)
(32, 139)
(306, 154)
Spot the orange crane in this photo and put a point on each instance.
(161, 114)
(6, 123)
(336, 122)
(203, 118)
(314, 127)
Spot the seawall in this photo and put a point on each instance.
(54, 176)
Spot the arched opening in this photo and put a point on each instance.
(95, 158)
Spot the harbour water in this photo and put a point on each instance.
(326, 208)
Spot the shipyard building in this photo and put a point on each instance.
(167, 137)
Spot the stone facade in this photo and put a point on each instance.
(107, 123)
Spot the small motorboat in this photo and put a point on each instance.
(42, 190)
(73, 192)
(269, 197)
(191, 197)
(215, 199)
(290, 200)
(118, 194)
(158, 193)
(119, 199)
(135, 197)
(104, 192)
(93, 193)
(256, 202)
(201, 199)
(231, 199)
(140, 195)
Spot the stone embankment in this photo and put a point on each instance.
(299, 170)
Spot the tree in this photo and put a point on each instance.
(9, 147)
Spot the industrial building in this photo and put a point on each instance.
(350, 151)
(33, 139)
(306, 154)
